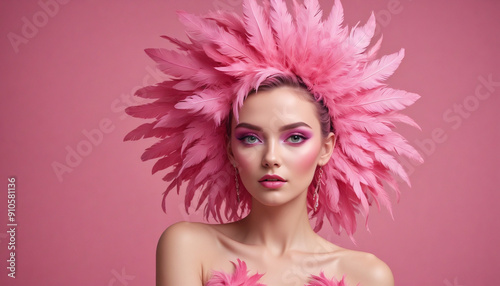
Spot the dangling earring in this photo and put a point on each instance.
(237, 184)
(316, 191)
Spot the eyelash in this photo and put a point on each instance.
(302, 138)
(244, 138)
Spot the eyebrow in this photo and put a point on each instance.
(282, 128)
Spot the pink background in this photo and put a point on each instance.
(98, 224)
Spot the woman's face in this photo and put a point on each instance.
(277, 144)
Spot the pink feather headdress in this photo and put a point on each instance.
(228, 56)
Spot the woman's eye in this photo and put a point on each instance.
(295, 139)
(250, 139)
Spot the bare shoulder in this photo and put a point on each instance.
(185, 233)
(365, 268)
(185, 238)
(179, 254)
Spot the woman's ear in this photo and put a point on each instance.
(327, 149)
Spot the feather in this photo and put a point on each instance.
(196, 131)
(149, 110)
(212, 52)
(166, 162)
(356, 153)
(213, 167)
(257, 27)
(162, 148)
(379, 70)
(173, 119)
(198, 29)
(335, 19)
(208, 102)
(186, 85)
(145, 130)
(390, 163)
(393, 142)
(333, 195)
(366, 123)
(321, 280)
(239, 277)
(361, 36)
(234, 47)
(195, 154)
(372, 52)
(397, 117)
(183, 46)
(384, 100)
(308, 17)
(228, 20)
(178, 65)
(164, 90)
(282, 25)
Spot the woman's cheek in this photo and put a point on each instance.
(245, 157)
(305, 157)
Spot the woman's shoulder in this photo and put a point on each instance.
(364, 267)
(189, 234)
(180, 253)
(194, 235)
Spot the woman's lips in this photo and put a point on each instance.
(272, 181)
(272, 184)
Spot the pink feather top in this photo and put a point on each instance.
(240, 277)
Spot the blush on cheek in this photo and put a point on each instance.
(243, 161)
(305, 160)
(242, 155)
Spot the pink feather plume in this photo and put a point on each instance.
(226, 56)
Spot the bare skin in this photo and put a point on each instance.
(278, 133)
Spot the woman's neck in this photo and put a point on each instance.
(279, 228)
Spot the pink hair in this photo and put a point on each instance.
(228, 56)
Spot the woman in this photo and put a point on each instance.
(272, 120)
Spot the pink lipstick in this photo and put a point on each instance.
(271, 181)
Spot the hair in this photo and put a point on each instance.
(277, 81)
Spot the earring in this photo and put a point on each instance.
(316, 191)
(237, 184)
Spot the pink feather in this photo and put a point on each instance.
(282, 25)
(390, 163)
(396, 143)
(384, 100)
(145, 130)
(336, 17)
(372, 52)
(397, 117)
(321, 280)
(150, 110)
(228, 20)
(260, 34)
(361, 36)
(240, 277)
(163, 90)
(163, 148)
(183, 46)
(379, 70)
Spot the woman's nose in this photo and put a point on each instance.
(271, 156)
